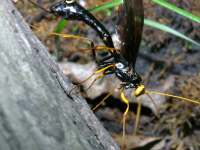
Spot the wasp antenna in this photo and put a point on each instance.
(155, 105)
(97, 78)
(137, 120)
(34, 3)
(174, 96)
(103, 100)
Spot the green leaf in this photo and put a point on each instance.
(60, 26)
(106, 5)
(167, 29)
(180, 11)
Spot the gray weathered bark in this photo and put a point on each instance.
(35, 111)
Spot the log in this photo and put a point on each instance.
(36, 113)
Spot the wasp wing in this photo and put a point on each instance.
(130, 27)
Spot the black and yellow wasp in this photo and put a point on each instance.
(119, 61)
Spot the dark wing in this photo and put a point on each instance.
(130, 29)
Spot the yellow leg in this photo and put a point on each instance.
(104, 69)
(97, 78)
(156, 107)
(107, 48)
(137, 120)
(105, 98)
(89, 41)
(100, 71)
(71, 36)
(96, 72)
(100, 48)
(125, 100)
(81, 83)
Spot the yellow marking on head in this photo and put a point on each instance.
(139, 90)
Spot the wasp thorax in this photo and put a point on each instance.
(140, 90)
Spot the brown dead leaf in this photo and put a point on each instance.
(135, 141)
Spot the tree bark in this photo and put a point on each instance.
(35, 111)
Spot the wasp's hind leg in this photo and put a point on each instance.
(90, 42)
